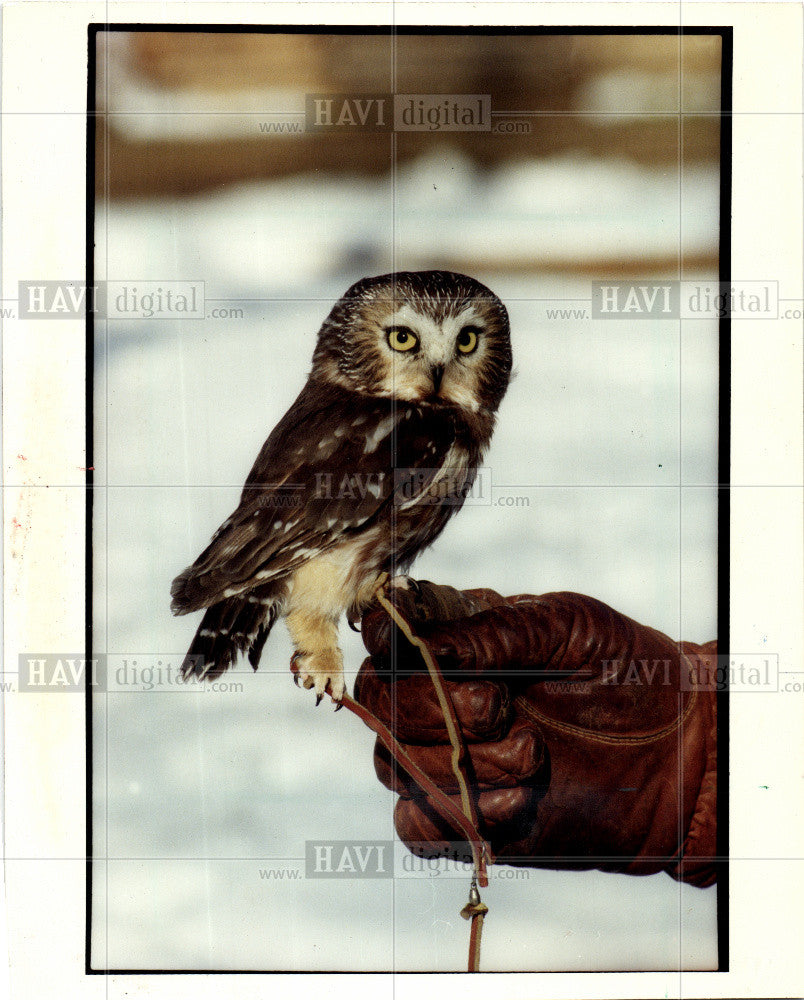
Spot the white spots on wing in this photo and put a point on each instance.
(232, 591)
(298, 550)
(289, 525)
(277, 525)
(249, 637)
(223, 527)
(380, 432)
(339, 432)
(358, 420)
(374, 489)
(266, 574)
(331, 522)
(207, 633)
(267, 601)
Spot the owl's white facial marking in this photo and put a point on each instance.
(423, 359)
(433, 337)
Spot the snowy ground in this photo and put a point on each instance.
(608, 432)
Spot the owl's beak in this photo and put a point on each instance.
(436, 374)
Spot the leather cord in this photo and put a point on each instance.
(465, 820)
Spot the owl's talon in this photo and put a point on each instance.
(320, 671)
(338, 706)
(294, 668)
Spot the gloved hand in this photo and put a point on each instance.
(592, 738)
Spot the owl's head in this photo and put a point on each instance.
(421, 336)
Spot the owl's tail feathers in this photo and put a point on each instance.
(191, 591)
(237, 625)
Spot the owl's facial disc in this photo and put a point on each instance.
(429, 359)
(420, 336)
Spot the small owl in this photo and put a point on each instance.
(362, 473)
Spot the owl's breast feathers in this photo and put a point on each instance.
(339, 465)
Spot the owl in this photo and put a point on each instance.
(363, 472)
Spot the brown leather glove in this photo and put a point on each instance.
(592, 738)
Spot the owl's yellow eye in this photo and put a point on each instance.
(467, 339)
(401, 338)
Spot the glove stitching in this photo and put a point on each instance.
(589, 734)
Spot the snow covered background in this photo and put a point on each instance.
(608, 431)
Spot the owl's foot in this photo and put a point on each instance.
(322, 671)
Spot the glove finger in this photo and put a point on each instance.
(422, 602)
(507, 638)
(521, 758)
(507, 815)
(410, 708)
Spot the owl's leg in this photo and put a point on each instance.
(318, 660)
(365, 594)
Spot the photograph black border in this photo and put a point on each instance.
(726, 33)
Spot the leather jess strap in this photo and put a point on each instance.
(440, 800)
(474, 911)
(464, 820)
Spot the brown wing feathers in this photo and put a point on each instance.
(340, 453)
